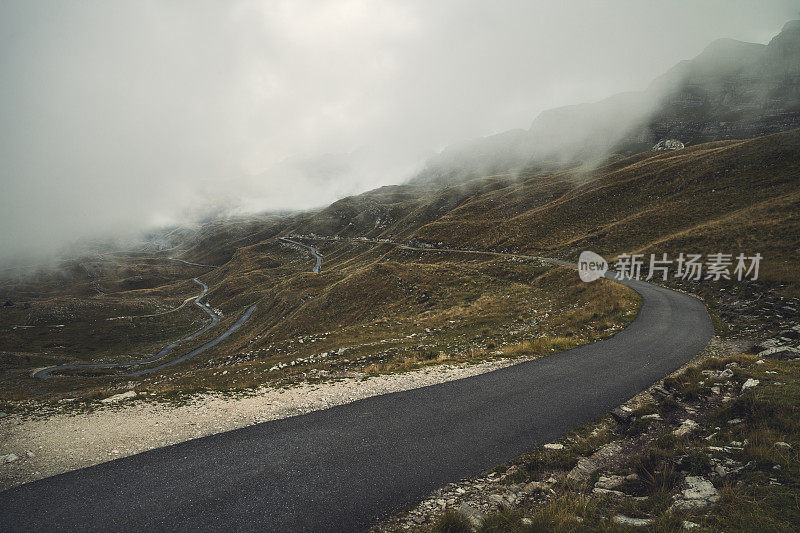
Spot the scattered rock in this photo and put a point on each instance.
(718, 374)
(652, 416)
(497, 499)
(689, 525)
(766, 345)
(513, 469)
(660, 391)
(622, 414)
(553, 446)
(791, 334)
(687, 427)
(749, 384)
(119, 397)
(779, 352)
(699, 493)
(535, 486)
(30, 454)
(623, 520)
(734, 421)
(8, 458)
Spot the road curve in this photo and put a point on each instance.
(193, 264)
(341, 468)
(311, 249)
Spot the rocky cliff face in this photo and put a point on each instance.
(732, 90)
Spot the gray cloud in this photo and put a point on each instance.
(117, 116)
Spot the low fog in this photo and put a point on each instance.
(122, 116)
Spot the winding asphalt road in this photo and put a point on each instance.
(311, 249)
(341, 468)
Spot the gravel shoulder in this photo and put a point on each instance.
(67, 441)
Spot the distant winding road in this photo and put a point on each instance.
(311, 249)
(341, 468)
(166, 350)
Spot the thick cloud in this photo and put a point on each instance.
(115, 116)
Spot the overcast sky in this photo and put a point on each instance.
(115, 116)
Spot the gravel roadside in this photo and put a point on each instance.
(64, 442)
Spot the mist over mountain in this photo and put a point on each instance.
(121, 117)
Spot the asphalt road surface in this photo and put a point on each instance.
(342, 468)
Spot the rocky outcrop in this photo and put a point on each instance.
(668, 144)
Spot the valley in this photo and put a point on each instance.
(425, 356)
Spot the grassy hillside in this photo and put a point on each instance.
(733, 196)
(396, 308)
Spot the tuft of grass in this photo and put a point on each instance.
(451, 522)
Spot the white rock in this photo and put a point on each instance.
(699, 493)
(633, 522)
(553, 446)
(608, 492)
(718, 374)
(8, 458)
(784, 445)
(749, 384)
(119, 397)
(687, 427)
(609, 482)
(689, 525)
